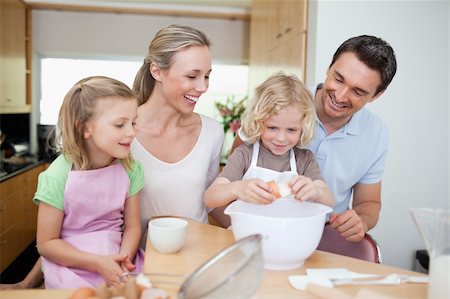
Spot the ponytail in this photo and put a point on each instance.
(143, 83)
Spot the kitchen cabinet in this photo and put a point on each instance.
(289, 20)
(288, 58)
(15, 54)
(278, 34)
(18, 214)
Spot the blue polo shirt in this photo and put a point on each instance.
(353, 154)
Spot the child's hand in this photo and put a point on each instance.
(127, 265)
(255, 190)
(303, 188)
(109, 267)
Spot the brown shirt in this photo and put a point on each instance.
(239, 161)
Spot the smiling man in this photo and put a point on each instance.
(351, 143)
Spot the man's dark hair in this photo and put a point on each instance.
(374, 52)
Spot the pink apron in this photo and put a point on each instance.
(94, 202)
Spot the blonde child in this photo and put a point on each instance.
(88, 221)
(279, 123)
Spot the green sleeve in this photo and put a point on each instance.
(52, 183)
(136, 175)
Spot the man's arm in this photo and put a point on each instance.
(367, 203)
(354, 223)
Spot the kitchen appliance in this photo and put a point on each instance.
(14, 155)
(434, 226)
(15, 147)
(291, 230)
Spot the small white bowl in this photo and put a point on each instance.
(167, 235)
(291, 230)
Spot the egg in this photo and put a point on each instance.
(280, 189)
(283, 188)
(83, 293)
(273, 185)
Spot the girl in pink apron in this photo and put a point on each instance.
(277, 124)
(88, 222)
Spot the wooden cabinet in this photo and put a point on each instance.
(288, 57)
(14, 48)
(289, 20)
(18, 214)
(278, 39)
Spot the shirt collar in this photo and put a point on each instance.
(352, 127)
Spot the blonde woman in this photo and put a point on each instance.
(179, 149)
(88, 229)
(279, 124)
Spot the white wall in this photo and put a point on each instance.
(109, 34)
(415, 106)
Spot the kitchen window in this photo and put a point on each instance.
(58, 75)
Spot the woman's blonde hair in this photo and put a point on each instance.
(276, 93)
(78, 108)
(166, 43)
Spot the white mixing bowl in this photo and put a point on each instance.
(291, 230)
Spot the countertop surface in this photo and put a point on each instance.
(8, 170)
(204, 241)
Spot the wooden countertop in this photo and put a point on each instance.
(204, 241)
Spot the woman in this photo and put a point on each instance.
(180, 149)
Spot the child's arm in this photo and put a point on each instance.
(132, 232)
(304, 188)
(222, 192)
(53, 248)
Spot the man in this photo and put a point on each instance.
(351, 143)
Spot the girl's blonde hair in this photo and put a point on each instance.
(78, 108)
(166, 43)
(276, 93)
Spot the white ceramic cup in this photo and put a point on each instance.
(167, 235)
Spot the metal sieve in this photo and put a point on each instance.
(235, 272)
